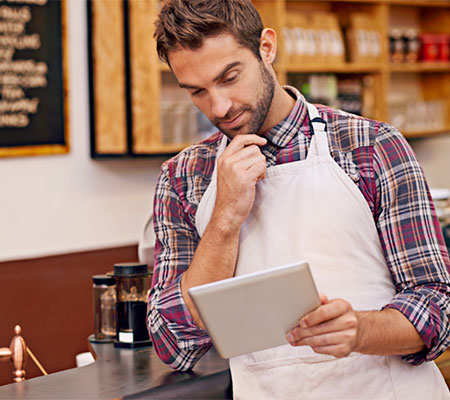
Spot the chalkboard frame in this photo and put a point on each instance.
(49, 149)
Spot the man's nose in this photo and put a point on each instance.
(220, 105)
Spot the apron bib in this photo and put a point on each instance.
(326, 221)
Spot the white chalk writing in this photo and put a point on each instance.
(19, 75)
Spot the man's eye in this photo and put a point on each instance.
(197, 92)
(230, 79)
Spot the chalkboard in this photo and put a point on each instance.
(33, 103)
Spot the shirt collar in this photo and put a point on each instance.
(282, 133)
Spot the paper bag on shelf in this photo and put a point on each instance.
(303, 38)
(363, 39)
(329, 38)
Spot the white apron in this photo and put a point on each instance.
(311, 210)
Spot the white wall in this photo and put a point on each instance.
(434, 156)
(65, 203)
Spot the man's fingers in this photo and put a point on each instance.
(250, 169)
(243, 154)
(325, 312)
(323, 298)
(335, 350)
(329, 329)
(345, 322)
(258, 170)
(327, 339)
(248, 159)
(241, 141)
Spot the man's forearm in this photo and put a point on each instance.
(214, 259)
(386, 332)
(239, 168)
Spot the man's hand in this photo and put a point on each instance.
(334, 328)
(239, 168)
(331, 328)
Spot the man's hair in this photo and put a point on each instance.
(186, 23)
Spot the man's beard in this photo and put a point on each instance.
(258, 113)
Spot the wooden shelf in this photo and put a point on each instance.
(421, 67)
(163, 67)
(343, 1)
(425, 133)
(347, 68)
(419, 3)
(169, 148)
(409, 3)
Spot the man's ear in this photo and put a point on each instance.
(268, 45)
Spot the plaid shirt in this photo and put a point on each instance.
(383, 166)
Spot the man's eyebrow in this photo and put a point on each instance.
(218, 77)
(226, 69)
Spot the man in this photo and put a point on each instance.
(284, 181)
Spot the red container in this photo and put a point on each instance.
(429, 48)
(443, 47)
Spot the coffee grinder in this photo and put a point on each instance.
(132, 285)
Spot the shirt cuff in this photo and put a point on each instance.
(429, 320)
(178, 318)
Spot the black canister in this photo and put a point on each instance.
(132, 286)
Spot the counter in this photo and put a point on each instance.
(128, 374)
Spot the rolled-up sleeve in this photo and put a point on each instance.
(412, 242)
(178, 341)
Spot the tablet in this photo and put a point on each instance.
(254, 312)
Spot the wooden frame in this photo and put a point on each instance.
(124, 80)
(36, 140)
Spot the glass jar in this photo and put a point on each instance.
(441, 200)
(104, 293)
(411, 45)
(429, 50)
(396, 45)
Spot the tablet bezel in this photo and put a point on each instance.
(282, 295)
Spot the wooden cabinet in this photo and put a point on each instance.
(135, 101)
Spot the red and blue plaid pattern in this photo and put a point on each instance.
(383, 166)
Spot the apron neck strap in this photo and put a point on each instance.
(319, 139)
(222, 146)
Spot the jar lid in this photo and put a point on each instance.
(103, 280)
(440, 193)
(428, 38)
(395, 33)
(130, 269)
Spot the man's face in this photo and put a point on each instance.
(227, 83)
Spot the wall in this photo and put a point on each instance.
(434, 156)
(65, 203)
